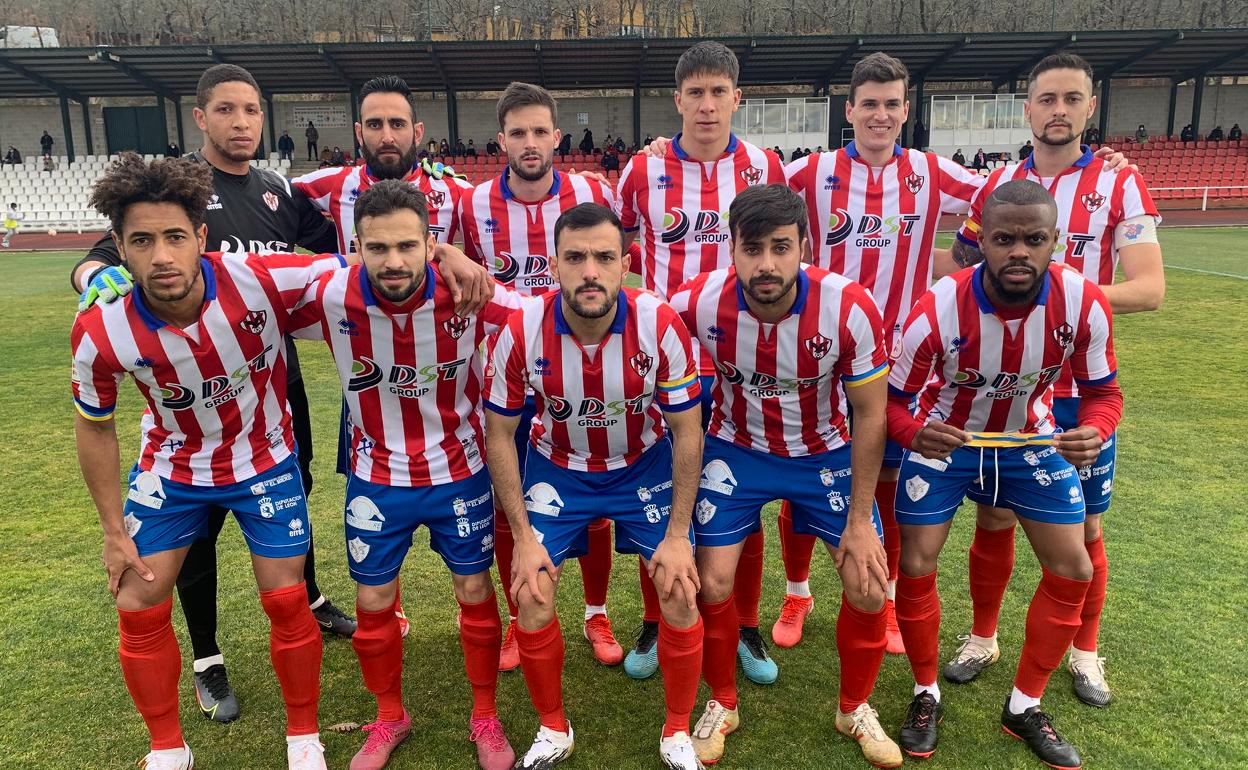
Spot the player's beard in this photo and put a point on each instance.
(608, 305)
(1012, 296)
(751, 288)
(177, 294)
(390, 169)
(527, 176)
(403, 293)
(1056, 141)
(238, 156)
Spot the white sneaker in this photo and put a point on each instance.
(305, 753)
(168, 759)
(677, 753)
(549, 748)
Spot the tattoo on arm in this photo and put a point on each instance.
(966, 255)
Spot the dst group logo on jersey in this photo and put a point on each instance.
(762, 385)
(254, 321)
(706, 226)
(873, 232)
(531, 271)
(215, 391)
(594, 412)
(818, 346)
(1092, 201)
(436, 198)
(641, 363)
(1006, 384)
(270, 200)
(455, 326)
(403, 381)
(752, 175)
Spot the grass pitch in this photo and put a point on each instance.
(1173, 629)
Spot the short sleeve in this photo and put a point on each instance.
(913, 367)
(797, 174)
(676, 382)
(958, 185)
(499, 308)
(505, 376)
(1093, 361)
(93, 379)
(290, 275)
(863, 357)
(307, 322)
(1136, 201)
(626, 194)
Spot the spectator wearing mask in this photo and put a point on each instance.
(958, 157)
(1236, 133)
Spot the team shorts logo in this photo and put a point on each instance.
(1092, 201)
(643, 494)
(752, 175)
(826, 477)
(818, 346)
(1085, 473)
(914, 183)
(254, 321)
(916, 488)
(436, 198)
(836, 501)
(1107, 486)
(705, 511)
(296, 528)
(707, 226)
(358, 549)
(267, 509)
(455, 326)
(874, 232)
(487, 543)
(544, 499)
(133, 523)
(1042, 477)
(147, 490)
(1064, 335)
(363, 513)
(717, 477)
(270, 200)
(1075, 494)
(641, 363)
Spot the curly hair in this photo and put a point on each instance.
(132, 180)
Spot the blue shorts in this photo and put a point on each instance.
(707, 381)
(271, 509)
(892, 450)
(1098, 478)
(380, 522)
(563, 503)
(1035, 481)
(523, 430)
(737, 482)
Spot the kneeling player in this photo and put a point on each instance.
(607, 367)
(202, 338)
(997, 336)
(412, 378)
(784, 340)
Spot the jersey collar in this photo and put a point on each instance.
(851, 150)
(370, 299)
(799, 303)
(509, 195)
(210, 293)
(617, 325)
(1084, 159)
(680, 153)
(981, 297)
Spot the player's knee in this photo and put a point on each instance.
(916, 563)
(532, 613)
(716, 585)
(1091, 528)
(676, 610)
(990, 518)
(1075, 565)
(376, 598)
(473, 589)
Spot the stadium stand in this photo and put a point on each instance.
(1168, 163)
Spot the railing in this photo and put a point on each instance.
(1204, 197)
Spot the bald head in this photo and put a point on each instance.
(1021, 192)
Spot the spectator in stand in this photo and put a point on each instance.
(1187, 134)
(491, 148)
(444, 148)
(920, 136)
(471, 150)
(817, 149)
(610, 159)
(958, 157)
(49, 165)
(587, 142)
(565, 146)
(45, 143)
(1216, 135)
(172, 150)
(461, 149)
(1236, 133)
(1092, 135)
(1141, 134)
(314, 137)
(1025, 151)
(286, 147)
(981, 160)
(338, 157)
(619, 144)
(649, 139)
(14, 158)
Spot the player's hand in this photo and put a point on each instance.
(108, 284)
(121, 555)
(594, 176)
(862, 555)
(470, 284)
(675, 556)
(1114, 160)
(1080, 446)
(657, 148)
(936, 440)
(529, 558)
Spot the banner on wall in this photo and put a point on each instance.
(322, 116)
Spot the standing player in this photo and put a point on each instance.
(255, 211)
(785, 341)
(202, 339)
(677, 201)
(996, 337)
(11, 217)
(874, 209)
(411, 373)
(1107, 220)
(608, 367)
(509, 226)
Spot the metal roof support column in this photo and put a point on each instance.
(637, 116)
(1197, 96)
(1102, 106)
(452, 118)
(918, 113)
(178, 121)
(86, 126)
(1174, 100)
(68, 127)
(271, 120)
(355, 117)
(161, 98)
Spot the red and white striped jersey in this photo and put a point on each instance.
(216, 390)
(1091, 202)
(334, 191)
(995, 374)
(680, 205)
(412, 380)
(514, 239)
(778, 388)
(599, 408)
(876, 227)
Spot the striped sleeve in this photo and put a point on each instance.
(796, 173)
(968, 233)
(1136, 201)
(307, 322)
(93, 381)
(957, 184)
(505, 375)
(919, 345)
(290, 275)
(498, 309)
(1093, 361)
(863, 357)
(626, 194)
(676, 381)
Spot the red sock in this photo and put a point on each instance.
(1094, 602)
(918, 616)
(795, 549)
(503, 547)
(481, 636)
(596, 565)
(748, 584)
(860, 645)
(1052, 620)
(719, 649)
(379, 646)
(991, 564)
(295, 648)
(680, 658)
(649, 594)
(150, 663)
(541, 661)
(886, 500)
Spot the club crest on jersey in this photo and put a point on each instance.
(641, 363)
(455, 326)
(436, 198)
(752, 175)
(818, 346)
(1064, 335)
(1092, 201)
(914, 183)
(254, 321)
(270, 200)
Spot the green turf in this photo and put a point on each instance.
(1173, 631)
